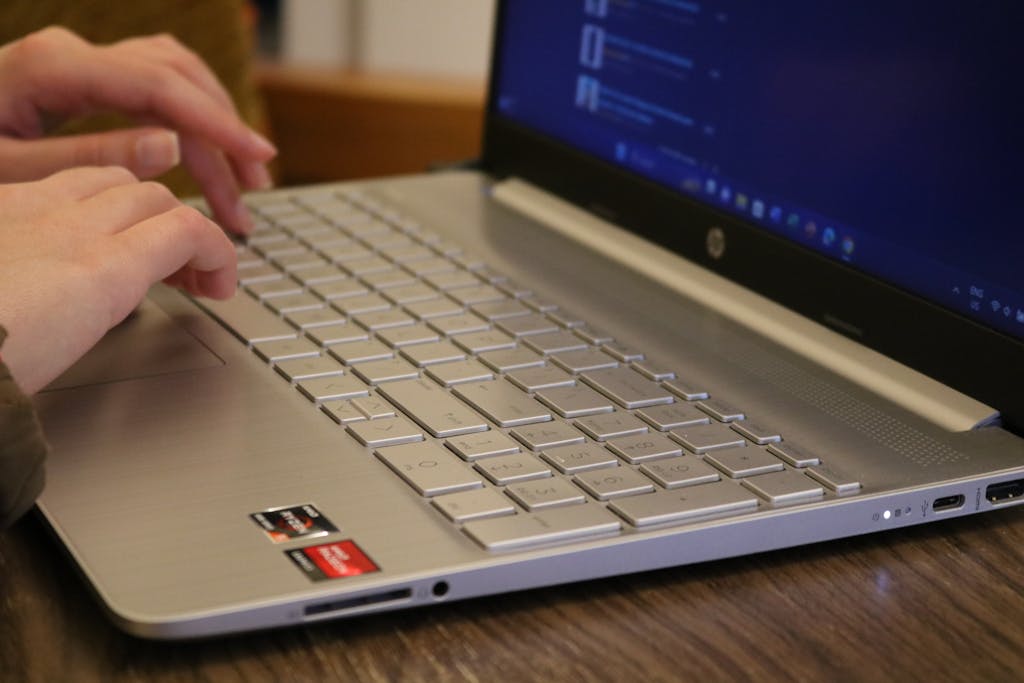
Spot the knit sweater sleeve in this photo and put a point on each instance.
(22, 449)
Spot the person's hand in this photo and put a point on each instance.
(78, 251)
(154, 79)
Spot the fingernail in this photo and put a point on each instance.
(262, 145)
(261, 177)
(157, 152)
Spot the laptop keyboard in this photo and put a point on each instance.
(511, 416)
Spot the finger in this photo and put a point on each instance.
(217, 180)
(252, 175)
(120, 207)
(69, 75)
(166, 49)
(183, 239)
(147, 152)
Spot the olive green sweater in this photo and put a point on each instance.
(22, 449)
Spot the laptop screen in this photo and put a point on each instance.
(875, 134)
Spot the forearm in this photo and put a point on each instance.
(22, 449)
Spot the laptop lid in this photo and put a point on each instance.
(850, 162)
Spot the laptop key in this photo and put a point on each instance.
(687, 470)
(388, 431)
(584, 360)
(704, 438)
(744, 462)
(721, 411)
(549, 493)
(474, 504)
(373, 407)
(482, 445)
(342, 411)
(623, 352)
(397, 337)
(793, 454)
(685, 390)
(834, 479)
(644, 447)
(459, 372)
(673, 415)
(457, 324)
(497, 310)
(581, 458)
(506, 360)
(691, 502)
(654, 370)
(510, 469)
(433, 353)
(325, 388)
(546, 435)
(575, 401)
(303, 301)
(315, 317)
(354, 352)
(572, 522)
(247, 319)
(296, 369)
(780, 488)
(280, 349)
(433, 408)
(428, 468)
(627, 387)
(611, 425)
(334, 333)
(555, 342)
(614, 482)
(756, 433)
(479, 342)
(503, 403)
(526, 325)
(535, 379)
(381, 371)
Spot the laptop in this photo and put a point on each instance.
(728, 278)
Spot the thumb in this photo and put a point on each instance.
(146, 152)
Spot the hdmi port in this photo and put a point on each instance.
(948, 503)
(1005, 492)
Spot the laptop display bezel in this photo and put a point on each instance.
(979, 361)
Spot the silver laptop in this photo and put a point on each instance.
(729, 277)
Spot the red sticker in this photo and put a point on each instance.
(332, 560)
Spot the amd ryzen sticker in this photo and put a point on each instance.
(332, 561)
(285, 524)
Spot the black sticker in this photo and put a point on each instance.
(285, 524)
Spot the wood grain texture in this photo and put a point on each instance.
(939, 603)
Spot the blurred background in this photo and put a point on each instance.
(345, 88)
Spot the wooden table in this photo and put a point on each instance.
(937, 603)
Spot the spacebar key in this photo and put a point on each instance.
(569, 523)
(247, 319)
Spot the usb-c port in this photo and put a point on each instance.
(948, 503)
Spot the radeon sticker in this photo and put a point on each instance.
(285, 524)
(332, 561)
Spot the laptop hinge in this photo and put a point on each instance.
(932, 400)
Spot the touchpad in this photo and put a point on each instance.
(148, 343)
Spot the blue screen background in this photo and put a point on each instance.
(880, 134)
